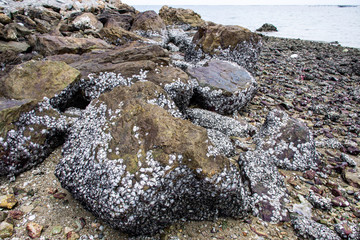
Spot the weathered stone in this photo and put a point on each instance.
(351, 177)
(224, 87)
(318, 201)
(154, 168)
(4, 19)
(34, 230)
(38, 79)
(16, 214)
(347, 230)
(148, 21)
(128, 59)
(46, 14)
(289, 141)
(8, 201)
(233, 43)
(309, 229)
(268, 190)
(6, 230)
(267, 27)
(340, 201)
(111, 18)
(17, 47)
(51, 45)
(56, 230)
(87, 21)
(15, 31)
(226, 125)
(9, 103)
(121, 7)
(180, 16)
(118, 36)
(348, 160)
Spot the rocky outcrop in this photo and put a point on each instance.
(51, 45)
(118, 36)
(112, 18)
(227, 42)
(267, 27)
(38, 79)
(148, 22)
(87, 21)
(151, 168)
(180, 16)
(224, 87)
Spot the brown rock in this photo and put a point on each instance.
(16, 214)
(38, 79)
(6, 230)
(121, 7)
(112, 18)
(34, 230)
(118, 36)
(87, 21)
(51, 45)
(13, 31)
(4, 19)
(8, 201)
(148, 21)
(17, 47)
(180, 16)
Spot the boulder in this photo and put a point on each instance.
(128, 59)
(28, 134)
(87, 21)
(224, 87)
(4, 19)
(267, 27)
(289, 142)
(148, 22)
(51, 45)
(112, 18)
(227, 42)
(180, 16)
(17, 47)
(121, 7)
(38, 79)
(118, 36)
(133, 164)
(15, 32)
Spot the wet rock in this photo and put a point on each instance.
(268, 190)
(51, 45)
(289, 142)
(111, 18)
(267, 27)
(233, 43)
(347, 230)
(118, 36)
(154, 168)
(226, 125)
(309, 229)
(318, 201)
(38, 79)
(8, 201)
(34, 230)
(87, 21)
(148, 21)
(28, 134)
(340, 202)
(128, 59)
(180, 16)
(224, 87)
(6, 229)
(17, 47)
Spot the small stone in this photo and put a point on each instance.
(67, 230)
(347, 230)
(8, 201)
(310, 174)
(34, 229)
(56, 230)
(3, 216)
(52, 190)
(60, 195)
(16, 214)
(340, 202)
(348, 160)
(6, 230)
(336, 192)
(72, 236)
(357, 195)
(353, 150)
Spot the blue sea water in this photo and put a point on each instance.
(318, 23)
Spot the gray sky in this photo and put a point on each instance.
(242, 2)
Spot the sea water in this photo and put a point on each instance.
(318, 23)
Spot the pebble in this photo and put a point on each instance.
(72, 235)
(34, 229)
(340, 202)
(56, 230)
(3, 216)
(59, 195)
(16, 214)
(6, 230)
(8, 201)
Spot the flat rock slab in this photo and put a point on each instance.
(224, 87)
(134, 165)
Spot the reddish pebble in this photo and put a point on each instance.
(34, 229)
(310, 174)
(16, 214)
(60, 195)
(336, 192)
(316, 190)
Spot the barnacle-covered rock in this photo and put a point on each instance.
(180, 16)
(319, 201)
(289, 142)
(87, 21)
(347, 230)
(134, 165)
(226, 125)
(224, 87)
(232, 43)
(310, 229)
(38, 79)
(267, 187)
(28, 134)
